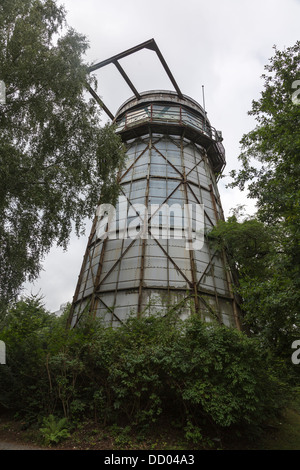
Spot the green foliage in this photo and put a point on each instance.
(250, 244)
(265, 250)
(54, 431)
(55, 157)
(266, 283)
(193, 433)
(121, 435)
(270, 153)
(148, 369)
(25, 332)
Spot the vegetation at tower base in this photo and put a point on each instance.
(204, 378)
(54, 155)
(266, 247)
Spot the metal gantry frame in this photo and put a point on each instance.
(152, 46)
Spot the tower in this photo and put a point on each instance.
(151, 252)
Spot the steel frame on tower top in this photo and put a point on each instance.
(212, 142)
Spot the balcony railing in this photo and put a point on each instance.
(166, 114)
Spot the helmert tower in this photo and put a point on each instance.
(152, 253)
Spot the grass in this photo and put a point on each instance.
(286, 436)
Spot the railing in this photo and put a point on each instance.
(167, 114)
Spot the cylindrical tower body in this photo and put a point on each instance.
(141, 261)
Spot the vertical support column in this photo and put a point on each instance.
(143, 240)
(122, 245)
(86, 256)
(191, 253)
(94, 300)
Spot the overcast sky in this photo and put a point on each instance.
(221, 44)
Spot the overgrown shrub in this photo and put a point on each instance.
(151, 368)
(23, 382)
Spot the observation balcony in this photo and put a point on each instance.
(166, 113)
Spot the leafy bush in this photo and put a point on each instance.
(23, 382)
(196, 374)
(54, 430)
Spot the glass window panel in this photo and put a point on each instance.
(166, 113)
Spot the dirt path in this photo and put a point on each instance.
(16, 446)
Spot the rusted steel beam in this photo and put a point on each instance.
(132, 165)
(109, 308)
(191, 253)
(209, 308)
(85, 257)
(142, 267)
(93, 306)
(100, 102)
(200, 203)
(169, 257)
(214, 203)
(208, 266)
(116, 263)
(80, 314)
(153, 46)
(127, 79)
(161, 205)
(202, 159)
(121, 55)
(171, 164)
